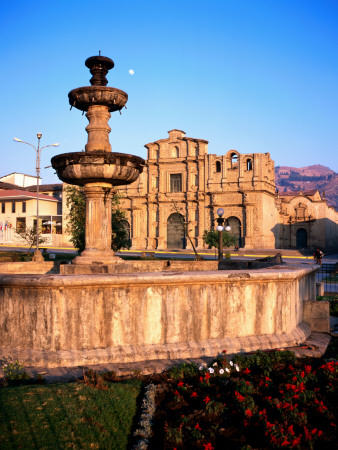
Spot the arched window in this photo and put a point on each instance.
(176, 152)
(218, 166)
(249, 164)
(234, 160)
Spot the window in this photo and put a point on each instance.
(249, 164)
(20, 224)
(23, 207)
(218, 166)
(176, 152)
(57, 224)
(3, 207)
(234, 160)
(13, 207)
(175, 182)
(196, 180)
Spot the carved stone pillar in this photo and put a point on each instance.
(98, 226)
(98, 129)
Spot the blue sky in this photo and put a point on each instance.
(250, 75)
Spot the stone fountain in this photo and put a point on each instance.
(92, 314)
(98, 169)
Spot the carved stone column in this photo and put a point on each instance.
(98, 129)
(98, 226)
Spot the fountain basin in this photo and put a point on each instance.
(81, 168)
(83, 97)
(96, 319)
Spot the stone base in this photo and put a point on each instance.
(37, 257)
(134, 353)
(90, 257)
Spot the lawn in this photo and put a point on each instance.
(72, 415)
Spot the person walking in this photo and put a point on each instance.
(318, 256)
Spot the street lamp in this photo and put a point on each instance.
(220, 229)
(37, 254)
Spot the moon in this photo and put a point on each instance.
(131, 72)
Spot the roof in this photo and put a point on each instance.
(45, 187)
(16, 194)
(5, 185)
(307, 193)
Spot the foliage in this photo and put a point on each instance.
(232, 405)
(13, 370)
(77, 220)
(333, 300)
(28, 235)
(211, 239)
(182, 370)
(69, 415)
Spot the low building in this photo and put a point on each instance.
(18, 209)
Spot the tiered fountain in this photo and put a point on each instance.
(98, 169)
(92, 315)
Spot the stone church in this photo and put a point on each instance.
(181, 182)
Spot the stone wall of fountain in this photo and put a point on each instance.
(55, 320)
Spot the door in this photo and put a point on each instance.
(301, 238)
(175, 231)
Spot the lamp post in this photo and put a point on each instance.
(220, 229)
(37, 254)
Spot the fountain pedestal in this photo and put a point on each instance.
(97, 169)
(98, 226)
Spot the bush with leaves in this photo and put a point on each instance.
(76, 203)
(211, 238)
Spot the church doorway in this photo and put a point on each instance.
(175, 231)
(236, 230)
(301, 238)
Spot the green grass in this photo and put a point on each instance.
(70, 415)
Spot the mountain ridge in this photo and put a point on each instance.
(317, 176)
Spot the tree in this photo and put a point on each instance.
(28, 234)
(76, 203)
(211, 238)
(186, 229)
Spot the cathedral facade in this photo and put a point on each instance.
(182, 187)
(181, 182)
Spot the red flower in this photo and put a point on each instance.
(246, 371)
(206, 400)
(308, 369)
(248, 412)
(197, 426)
(302, 374)
(208, 446)
(180, 384)
(239, 397)
(194, 394)
(224, 351)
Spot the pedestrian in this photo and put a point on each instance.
(318, 256)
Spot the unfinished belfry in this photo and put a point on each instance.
(98, 169)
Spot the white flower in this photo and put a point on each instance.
(200, 368)
(211, 370)
(237, 367)
(215, 364)
(231, 363)
(221, 371)
(227, 370)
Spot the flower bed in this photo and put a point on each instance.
(267, 400)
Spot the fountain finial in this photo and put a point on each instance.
(99, 67)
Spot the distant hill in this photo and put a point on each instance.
(307, 178)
